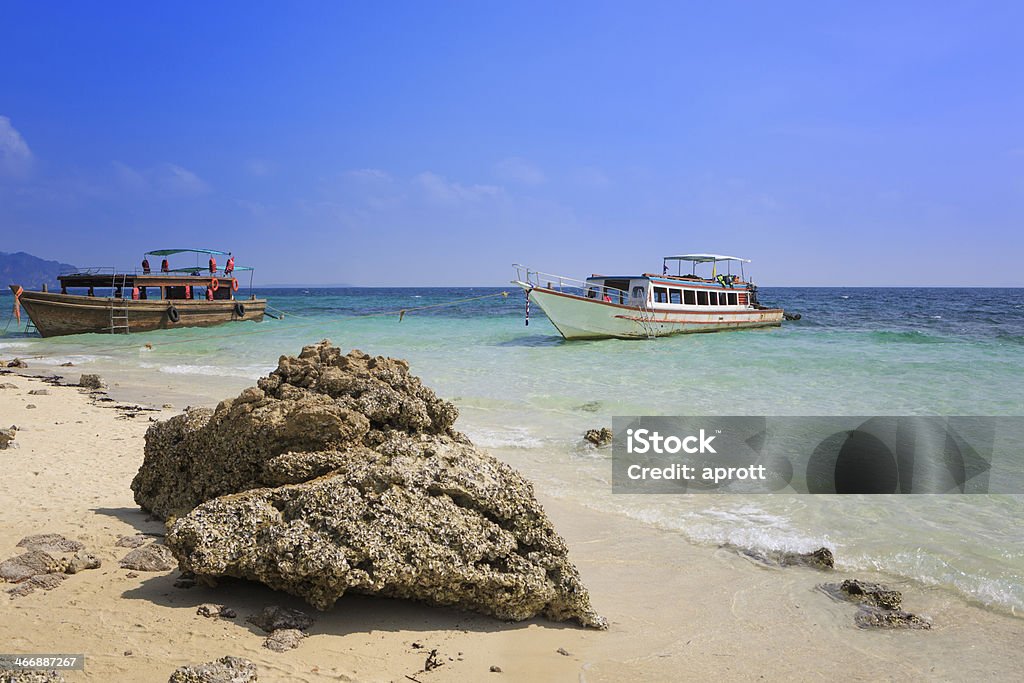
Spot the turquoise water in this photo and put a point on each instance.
(527, 395)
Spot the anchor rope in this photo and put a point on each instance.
(399, 312)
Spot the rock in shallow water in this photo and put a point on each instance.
(343, 473)
(879, 607)
(599, 437)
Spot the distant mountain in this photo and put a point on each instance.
(29, 271)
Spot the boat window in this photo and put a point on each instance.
(675, 296)
(702, 298)
(689, 297)
(660, 295)
(638, 292)
(732, 298)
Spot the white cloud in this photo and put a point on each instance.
(518, 170)
(165, 180)
(442, 191)
(589, 176)
(173, 179)
(370, 175)
(259, 167)
(254, 209)
(129, 178)
(15, 155)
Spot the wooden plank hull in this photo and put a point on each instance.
(61, 314)
(577, 317)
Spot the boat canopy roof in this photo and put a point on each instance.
(706, 258)
(171, 252)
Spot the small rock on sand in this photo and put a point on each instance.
(132, 541)
(154, 557)
(6, 437)
(27, 565)
(51, 543)
(212, 610)
(39, 392)
(17, 363)
(91, 382)
(30, 406)
(284, 639)
(69, 364)
(495, 669)
(30, 676)
(82, 561)
(8, 385)
(562, 651)
(275, 618)
(224, 670)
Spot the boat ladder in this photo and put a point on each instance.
(119, 307)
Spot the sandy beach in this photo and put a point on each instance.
(676, 611)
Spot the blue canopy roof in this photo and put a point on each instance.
(170, 252)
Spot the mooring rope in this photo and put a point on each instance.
(401, 313)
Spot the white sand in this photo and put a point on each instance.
(677, 611)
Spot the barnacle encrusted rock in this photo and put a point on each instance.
(342, 473)
(224, 670)
(879, 607)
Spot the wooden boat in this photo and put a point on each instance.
(143, 301)
(649, 305)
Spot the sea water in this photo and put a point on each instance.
(527, 395)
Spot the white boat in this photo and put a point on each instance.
(648, 305)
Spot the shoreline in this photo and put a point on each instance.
(676, 609)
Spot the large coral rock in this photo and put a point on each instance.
(343, 473)
(224, 670)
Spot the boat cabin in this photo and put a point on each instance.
(720, 288)
(209, 281)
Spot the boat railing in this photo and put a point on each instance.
(95, 270)
(559, 283)
(575, 287)
(112, 271)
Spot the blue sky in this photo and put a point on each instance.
(437, 143)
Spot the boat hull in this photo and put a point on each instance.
(55, 314)
(577, 317)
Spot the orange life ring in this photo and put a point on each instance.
(234, 285)
(214, 284)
